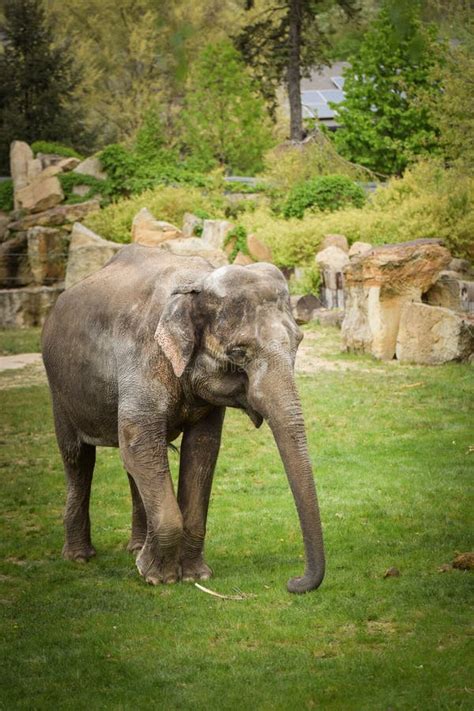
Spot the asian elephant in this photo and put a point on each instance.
(155, 345)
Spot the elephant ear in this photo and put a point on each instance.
(175, 332)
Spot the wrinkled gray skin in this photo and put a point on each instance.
(154, 345)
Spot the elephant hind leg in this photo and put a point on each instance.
(79, 460)
(139, 525)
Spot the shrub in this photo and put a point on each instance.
(53, 147)
(6, 195)
(237, 237)
(309, 283)
(96, 187)
(327, 192)
(114, 222)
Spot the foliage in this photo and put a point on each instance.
(6, 195)
(290, 163)
(384, 125)
(357, 643)
(326, 193)
(428, 201)
(224, 118)
(168, 203)
(38, 80)
(283, 41)
(56, 148)
(237, 240)
(308, 283)
(97, 187)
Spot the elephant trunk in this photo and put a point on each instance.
(272, 392)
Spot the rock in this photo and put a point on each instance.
(81, 190)
(34, 168)
(14, 267)
(87, 254)
(392, 573)
(258, 250)
(47, 254)
(334, 241)
(41, 194)
(242, 259)
(67, 164)
(60, 215)
(191, 223)
(4, 222)
(150, 232)
(215, 231)
(430, 335)
(358, 249)
(462, 266)
(303, 307)
(331, 262)
(329, 317)
(49, 171)
(446, 292)
(464, 561)
(91, 166)
(195, 247)
(20, 155)
(378, 284)
(27, 307)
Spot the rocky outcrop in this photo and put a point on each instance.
(14, 266)
(215, 231)
(20, 156)
(378, 285)
(331, 262)
(431, 335)
(258, 250)
(149, 231)
(64, 215)
(29, 306)
(195, 247)
(91, 166)
(41, 193)
(87, 254)
(47, 254)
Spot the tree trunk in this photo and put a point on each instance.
(293, 71)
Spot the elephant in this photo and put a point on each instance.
(153, 346)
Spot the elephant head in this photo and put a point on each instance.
(232, 340)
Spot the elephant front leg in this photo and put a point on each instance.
(143, 450)
(199, 450)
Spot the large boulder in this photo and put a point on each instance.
(87, 254)
(42, 193)
(91, 166)
(27, 307)
(14, 266)
(47, 254)
(258, 250)
(378, 284)
(432, 334)
(303, 307)
(60, 215)
(331, 262)
(20, 156)
(150, 232)
(195, 247)
(215, 231)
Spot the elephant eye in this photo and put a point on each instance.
(237, 353)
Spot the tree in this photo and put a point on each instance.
(385, 121)
(38, 80)
(224, 118)
(284, 41)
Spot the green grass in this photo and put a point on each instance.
(24, 340)
(392, 468)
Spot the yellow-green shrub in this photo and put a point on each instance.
(165, 203)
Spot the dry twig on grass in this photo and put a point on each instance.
(240, 596)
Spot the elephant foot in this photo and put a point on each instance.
(79, 554)
(195, 569)
(157, 572)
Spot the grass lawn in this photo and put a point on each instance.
(391, 448)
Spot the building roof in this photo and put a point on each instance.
(324, 85)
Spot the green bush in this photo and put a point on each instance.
(53, 147)
(6, 195)
(97, 187)
(169, 203)
(237, 238)
(326, 193)
(309, 283)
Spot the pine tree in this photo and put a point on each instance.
(37, 81)
(386, 120)
(224, 118)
